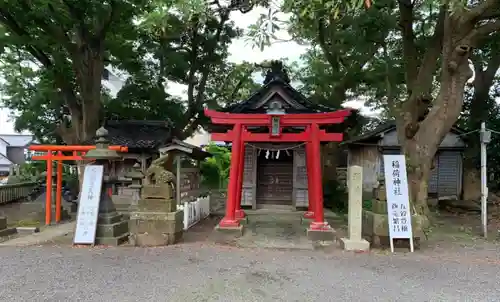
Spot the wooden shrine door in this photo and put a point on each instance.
(275, 180)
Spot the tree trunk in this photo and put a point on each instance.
(479, 111)
(421, 139)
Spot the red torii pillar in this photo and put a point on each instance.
(312, 136)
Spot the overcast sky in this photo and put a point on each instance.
(239, 51)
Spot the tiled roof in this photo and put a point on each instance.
(138, 134)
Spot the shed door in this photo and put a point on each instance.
(275, 180)
(450, 176)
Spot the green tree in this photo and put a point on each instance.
(65, 44)
(160, 47)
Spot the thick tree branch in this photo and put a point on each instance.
(10, 22)
(79, 17)
(429, 60)
(482, 31)
(409, 47)
(332, 57)
(101, 32)
(485, 10)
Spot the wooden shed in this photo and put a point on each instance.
(367, 151)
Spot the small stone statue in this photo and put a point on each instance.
(158, 175)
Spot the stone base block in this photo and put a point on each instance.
(7, 232)
(232, 231)
(157, 191)
(112, 230)
(321, 235)
(28, 230)
(110, 218)
(156, 222)
(155, 239)
(113, 241)
(376, 230)
(379, 206)
(355, 245)
(156, 205)
(306, 221)
(243, 220)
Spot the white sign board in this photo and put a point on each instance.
(398, 204)
(88, 206)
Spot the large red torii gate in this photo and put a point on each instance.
(312, 136)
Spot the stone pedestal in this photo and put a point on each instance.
(355, 184)
(155, 220)
(156, 228)
(321, 235)
(112, 228)
(4, 230)
(376, 224)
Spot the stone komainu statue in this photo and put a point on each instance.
(158, 175)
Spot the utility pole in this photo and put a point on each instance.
(485, 138)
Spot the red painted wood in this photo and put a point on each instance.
(319, 219)
(287, 119)
(283, 123)
(285, 137)
(229, 220)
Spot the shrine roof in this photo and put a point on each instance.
(138, 134)
(251, 105)
(185, 148)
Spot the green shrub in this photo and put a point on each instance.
(215, 169)
(335, 196)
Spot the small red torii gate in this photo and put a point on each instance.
(78, 153)
(312, 136)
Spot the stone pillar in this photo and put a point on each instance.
(355, 186)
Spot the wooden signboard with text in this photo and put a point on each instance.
(398, 201)
(88, 205)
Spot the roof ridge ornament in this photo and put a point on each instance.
(276, 71)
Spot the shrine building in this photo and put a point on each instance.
(275, 138)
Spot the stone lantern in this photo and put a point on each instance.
(112, 229)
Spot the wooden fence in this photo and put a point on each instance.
(14, 192)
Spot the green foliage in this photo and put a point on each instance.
(215, 169)
(335, 196)
(55, 90)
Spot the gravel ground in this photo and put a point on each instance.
(204, 272)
